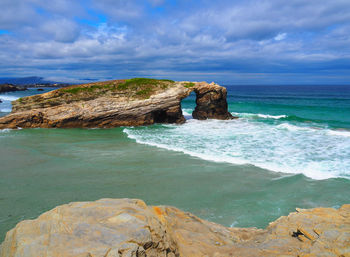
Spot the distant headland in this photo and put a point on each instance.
(33, 81)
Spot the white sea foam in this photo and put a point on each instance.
(5, 110)
(187, 112)
(8, 97)
(291, 127)
(316, 153)
(259, 115)
(342, 133)
(234, 224)
(266, 116)
(329, 132)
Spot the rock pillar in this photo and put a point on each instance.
(211, 102)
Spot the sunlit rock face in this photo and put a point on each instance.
(128, 227)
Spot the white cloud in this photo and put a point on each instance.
(62, 30)
(207, 37)
(280, 36)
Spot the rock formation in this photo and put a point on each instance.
(125, 227)
(211, 102)
(116, 103)
(10, 88)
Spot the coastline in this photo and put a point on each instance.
(88, 164)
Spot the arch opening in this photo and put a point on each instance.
(188, 105)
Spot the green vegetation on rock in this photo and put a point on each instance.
(144, 92)
(139, 82)
(144, 87)
(79, 89)
(136, 88)
(189, 85)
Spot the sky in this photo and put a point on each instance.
(226, 41)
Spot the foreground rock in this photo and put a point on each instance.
(124, 227)
(116, 103)
(10, 88)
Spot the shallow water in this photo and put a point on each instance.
(43, 168)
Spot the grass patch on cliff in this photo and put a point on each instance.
(139, 88)
(146, 93)
(189, 85)
(80, 89)
(144, 87)
(139, 82)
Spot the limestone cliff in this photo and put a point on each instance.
(125, 227)
(116, 103)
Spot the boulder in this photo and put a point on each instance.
(127, 227)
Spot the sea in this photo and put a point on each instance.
(289, 148)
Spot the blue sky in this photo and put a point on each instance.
(227, 41)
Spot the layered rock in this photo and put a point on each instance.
(124, 227)
(115, 103)
(10, 88)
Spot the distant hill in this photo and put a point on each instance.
(27, 81)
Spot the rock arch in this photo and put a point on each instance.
(96, 105)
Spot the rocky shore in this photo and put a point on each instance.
(116, 103)
(10, 88)
(126, 227)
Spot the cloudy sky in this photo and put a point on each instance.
(228, 41)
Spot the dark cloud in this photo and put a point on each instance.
(224, 40)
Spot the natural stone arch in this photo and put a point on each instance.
(211, 103)
(103, 105)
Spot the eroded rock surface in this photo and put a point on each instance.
(115, 103)
(125, 227)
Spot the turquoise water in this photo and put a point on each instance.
(245, 172)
